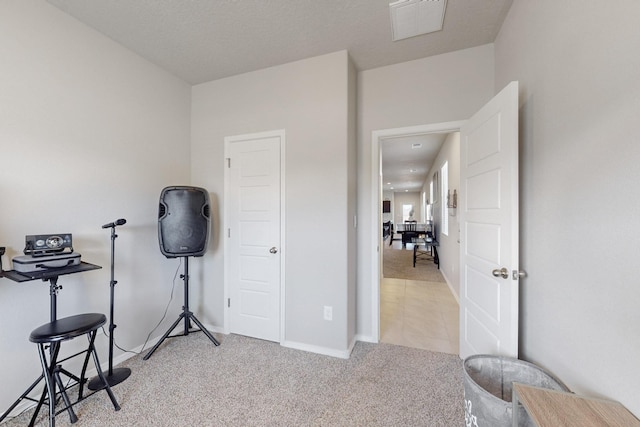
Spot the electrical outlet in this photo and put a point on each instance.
(328, 312)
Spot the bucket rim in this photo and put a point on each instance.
(521, 362)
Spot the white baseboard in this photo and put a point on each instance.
(366, 338)
(342, 354)
(446, 279)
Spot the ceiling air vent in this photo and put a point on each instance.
(410, 18)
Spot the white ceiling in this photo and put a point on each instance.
(204, 40)
(404, 164)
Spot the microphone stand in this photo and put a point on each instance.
(113, 376)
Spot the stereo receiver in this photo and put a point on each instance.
(48, 244)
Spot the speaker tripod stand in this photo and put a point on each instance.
(187, 316)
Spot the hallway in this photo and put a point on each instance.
(419, 314)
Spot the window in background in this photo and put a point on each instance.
(444, 179)
(431, 192)
(431, 201)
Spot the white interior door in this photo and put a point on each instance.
(253, 249)
(489, 228)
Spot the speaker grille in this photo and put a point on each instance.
(183, 221)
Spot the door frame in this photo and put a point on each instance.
(281, 134)
(377, 136)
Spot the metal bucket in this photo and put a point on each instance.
(488, 387)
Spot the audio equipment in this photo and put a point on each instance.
(183, 221)
(48, 244)
(186, 316)
(31, 264)
(183, 231)
(112, 376)
(115, 223)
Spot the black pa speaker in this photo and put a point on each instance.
(183, 221)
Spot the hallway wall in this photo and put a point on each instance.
(449, 249)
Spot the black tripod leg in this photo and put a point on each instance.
(8, 411)
(166, 334)
(203, 329)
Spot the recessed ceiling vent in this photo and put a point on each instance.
(410, 18)
(416, 145)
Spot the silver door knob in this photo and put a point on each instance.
(273, 250)
(518, 274)
(503, 272)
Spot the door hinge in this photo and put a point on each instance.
(228, 302)
(229, 162)
(229, 233)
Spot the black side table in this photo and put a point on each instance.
(50, 276)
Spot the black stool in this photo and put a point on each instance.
(52, 334)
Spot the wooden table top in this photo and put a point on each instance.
(551, 408)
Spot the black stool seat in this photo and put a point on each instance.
(67, 328)
(51, 335)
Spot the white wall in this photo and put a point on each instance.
(449, 245)
(89, 133)
(405, 198)
(578, 68)
(443, 88)
(311, 101)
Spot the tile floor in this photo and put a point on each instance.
(419, 314)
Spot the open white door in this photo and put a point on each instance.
(489, 224)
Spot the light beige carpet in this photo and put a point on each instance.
(398, 264)
(248, 382)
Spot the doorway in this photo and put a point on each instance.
(489, 224)
(377, 256)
